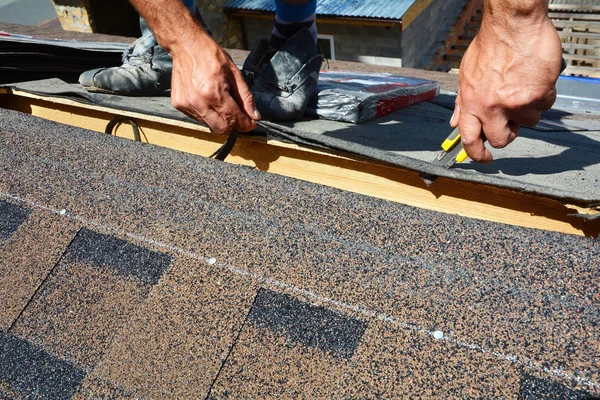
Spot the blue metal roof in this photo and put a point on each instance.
(380, 9)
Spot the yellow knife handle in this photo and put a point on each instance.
(452, 140)
(462, 156)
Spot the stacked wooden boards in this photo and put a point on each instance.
(578, 25)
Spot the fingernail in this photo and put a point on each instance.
(452, 120)
(257, 115)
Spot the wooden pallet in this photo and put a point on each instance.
(327, 167)
(579, 31)
(577, 26)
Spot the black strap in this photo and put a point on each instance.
(224, 150)
(220, 154)
(120, 118)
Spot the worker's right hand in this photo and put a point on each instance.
(507, 77)
(207, 86)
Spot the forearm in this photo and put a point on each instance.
(172, 23)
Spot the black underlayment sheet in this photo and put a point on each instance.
(23, 59)
(556, 160)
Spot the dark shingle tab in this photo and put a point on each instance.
(312, 326)
(123, 257)
(33, 373)
(536, 388)
(11, 217)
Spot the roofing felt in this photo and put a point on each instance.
(552, 160)
(340, 8)
(266, 286)
(25, 58)
(56, 32)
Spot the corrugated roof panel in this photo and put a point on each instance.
(381, 9)
(255, 5)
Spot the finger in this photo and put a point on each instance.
(243, 96)
(500, 131)
(190, 112)
(456, 115)
(470, 134)
(177, 100)
(230, 112)
(216, 123)
(526, 117)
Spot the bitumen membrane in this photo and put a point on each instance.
(134, 271)
(559, 158)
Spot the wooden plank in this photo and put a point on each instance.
(595, 25)
(323, 19)
(573, 7)
(585, 35)
(570, 46)
(581, 57)
(132, 114)
(75, 15)
(414, 11)
(585, 71)
(578, 16)
(335, 169)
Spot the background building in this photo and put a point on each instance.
(399, 33)
(430, 34)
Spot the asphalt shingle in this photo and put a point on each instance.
(175, 343)
(28, 256)
(86, 299)
(11, 217)
(30, 372)
(510, 301)
(309, 325)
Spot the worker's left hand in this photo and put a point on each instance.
(507, 77)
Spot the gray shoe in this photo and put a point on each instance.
(283, 85)
(146, 69)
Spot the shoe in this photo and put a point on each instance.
(283, 86)
(146, 68)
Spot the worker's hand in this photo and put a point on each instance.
(507, 77)
(207, 86)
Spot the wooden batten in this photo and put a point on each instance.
(414, 11)
(332, 168)
(323, 19)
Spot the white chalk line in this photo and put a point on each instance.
(522, 361)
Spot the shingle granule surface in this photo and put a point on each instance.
(11, 217)
(125, 258)
(307, 324)
(30, 370)
(511, 301)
